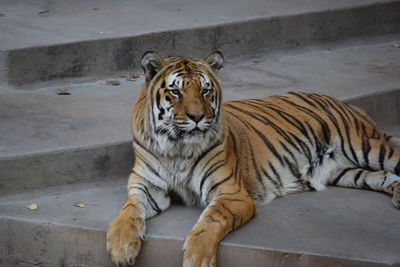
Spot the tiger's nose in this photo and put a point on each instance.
(195, 117)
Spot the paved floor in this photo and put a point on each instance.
(39, 121)
(356, 227)
(48, 139)
(44, 22)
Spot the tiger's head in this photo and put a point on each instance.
(184, 98)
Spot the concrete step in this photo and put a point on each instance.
(336, 227)
(47, 40)
(55, 139)
(58, 150)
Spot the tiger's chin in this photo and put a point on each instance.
(194, 136)
(186, 145)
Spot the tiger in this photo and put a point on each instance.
(228, 157)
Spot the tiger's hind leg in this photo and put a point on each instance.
(375, 167)
(356, 177)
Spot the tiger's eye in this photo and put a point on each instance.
(206, 91)
(175, 92)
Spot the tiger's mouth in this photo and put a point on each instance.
(195, 133)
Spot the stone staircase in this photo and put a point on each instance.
(57, 150)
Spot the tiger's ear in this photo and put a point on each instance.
(215, 60)
(151, 64)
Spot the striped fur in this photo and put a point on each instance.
(225, 157)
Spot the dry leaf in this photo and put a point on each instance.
(132, 77)
(113, 82)
(396, 45)
(2, 15)
(32, 206)
(44, 11)
(62, 92)
(79, 205)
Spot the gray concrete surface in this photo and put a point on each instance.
(50, 138)
(49, 143)
(75, 39)
(74, 21)
(336, 227)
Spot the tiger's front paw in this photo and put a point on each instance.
(124, 239)
(198, 252)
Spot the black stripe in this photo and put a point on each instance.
(231, 213)
(261, 118)
(149, 166)
(384, 180)
(230, 193)
(336, 181)
(299, 125)
(220, 182)
(342, 139)
(158, 99)
(322, 122)
(255, 166)
(390, 152)
(255, 106)
(357, 123)
(357, 120)
(397, 168)
(373, 133)
(276, 183)
(294, 121)
(382, 153)
(366, 148)
(262, 136)
(288, 151)
(317, 141)
(293, 168)
(339, 111)
(303, 98)
(233, 141)
(365, 185)
(276, 173)
(211, 170)
(357, 177)
(234, 199)
(284, 115)
(258, 174)
(211, 148)
(150, 199)
(134, 172)
(336, 124)
(142, 147)
(333, 102)
(269, 177)
(305, 148)
(269, 145)
(365, 118)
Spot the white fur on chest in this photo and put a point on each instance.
(175, 171)
(182, 180)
